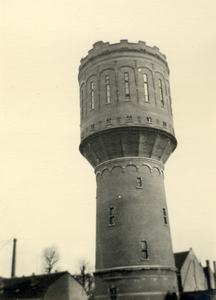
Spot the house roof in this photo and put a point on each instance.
(180, 258)
(29, 287)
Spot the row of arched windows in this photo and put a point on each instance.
(126, 90)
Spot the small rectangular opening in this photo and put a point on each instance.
(109, 121)
(149, 119)
(113, 293)
(111, 216)
(165, 216)
(129, 119)
(144, 250)
(139, 182)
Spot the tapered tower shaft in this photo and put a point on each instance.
(127, 136)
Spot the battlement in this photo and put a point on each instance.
(100, 48)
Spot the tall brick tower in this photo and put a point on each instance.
(127, 136)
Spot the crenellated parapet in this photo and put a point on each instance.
(101, 49)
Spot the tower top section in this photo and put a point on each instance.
(125, 103)
(100, 49)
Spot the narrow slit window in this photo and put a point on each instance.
(127, 86)
(113, 293)
(146, 94)
(165, 216)
(111, 216)
(91, 95)
(144, 250)
(161, 92)
(164, 124)
(139, 182)
(82, 103)
(107, 82)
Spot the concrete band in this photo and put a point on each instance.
(135, 268)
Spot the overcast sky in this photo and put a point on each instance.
(47, 189)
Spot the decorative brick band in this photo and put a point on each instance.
(125, 162)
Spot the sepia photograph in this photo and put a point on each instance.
(107, 150)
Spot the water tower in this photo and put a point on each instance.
(127, 135)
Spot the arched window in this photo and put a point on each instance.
(161, 92)
(91, 95)
(127, 85)
(170, 101)
(145, 86)
(107, 82)
(82, 104)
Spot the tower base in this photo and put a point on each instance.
(136, 283)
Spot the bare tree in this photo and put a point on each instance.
(85, 277)
(50, 257)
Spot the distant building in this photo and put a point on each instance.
(56, 286)
(194, 281)
(210, 276)
(191, 276)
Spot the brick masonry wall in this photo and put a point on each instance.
(127, 138)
